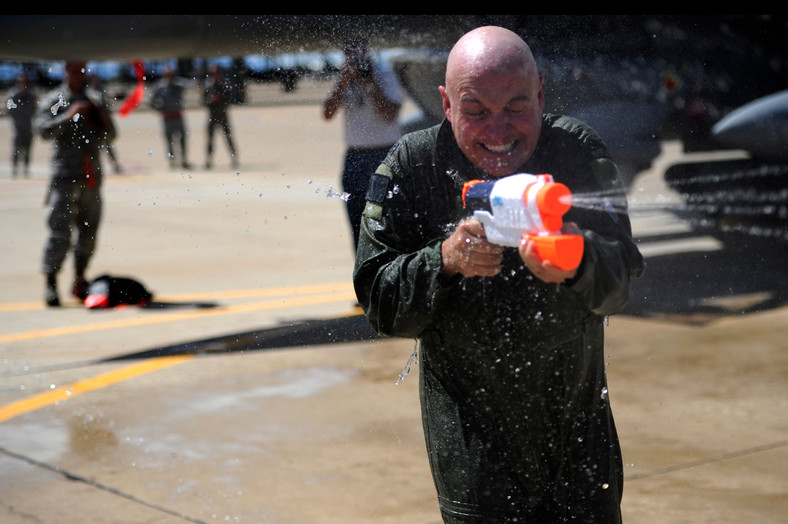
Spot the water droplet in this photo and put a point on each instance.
(60, 103)
(406, 371)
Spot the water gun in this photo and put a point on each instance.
(526, 205)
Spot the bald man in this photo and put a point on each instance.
(515, 408)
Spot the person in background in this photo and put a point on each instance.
(217, 97)
(515, 406)
(22, 102)
(371, 98)
(167, 99)
(76, 121)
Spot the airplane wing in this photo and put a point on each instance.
(127, 37)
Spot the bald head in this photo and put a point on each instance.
(489, 50)
(493, 99)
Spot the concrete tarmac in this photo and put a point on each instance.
(251, 391)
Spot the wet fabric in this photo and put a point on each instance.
(514, 399)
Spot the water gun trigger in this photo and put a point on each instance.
(563, 251)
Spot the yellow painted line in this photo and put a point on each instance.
(281, 303)
(259, 292)
(312, 295)
(219, 295)
(21, 306)
(66, 392)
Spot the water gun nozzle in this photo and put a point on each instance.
(553, 200)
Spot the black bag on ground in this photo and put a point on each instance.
(108, 291)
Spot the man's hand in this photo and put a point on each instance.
(545, 270)
(467, 252)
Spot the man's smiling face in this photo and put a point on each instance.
(493, 99)
(496, 118)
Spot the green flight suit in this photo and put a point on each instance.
(514, 398)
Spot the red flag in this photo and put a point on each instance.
(133, 100)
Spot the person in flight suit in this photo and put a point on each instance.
(75, 119)
(514, 400)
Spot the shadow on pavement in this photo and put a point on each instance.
(305, 333)
(697, 287)
(175, 305)
(693, 288)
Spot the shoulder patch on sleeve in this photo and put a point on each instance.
(378, 191)
(379, 184)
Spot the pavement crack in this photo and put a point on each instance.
(710, 460)
(96, 484)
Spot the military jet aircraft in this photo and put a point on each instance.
(637, 79)
(742, 201)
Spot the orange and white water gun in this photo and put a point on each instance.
(525, 204)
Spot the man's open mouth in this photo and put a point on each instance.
(500, 149)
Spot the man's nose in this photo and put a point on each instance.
(498, 125)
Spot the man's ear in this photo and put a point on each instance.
(446, 102)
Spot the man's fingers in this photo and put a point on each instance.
(469, 253)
